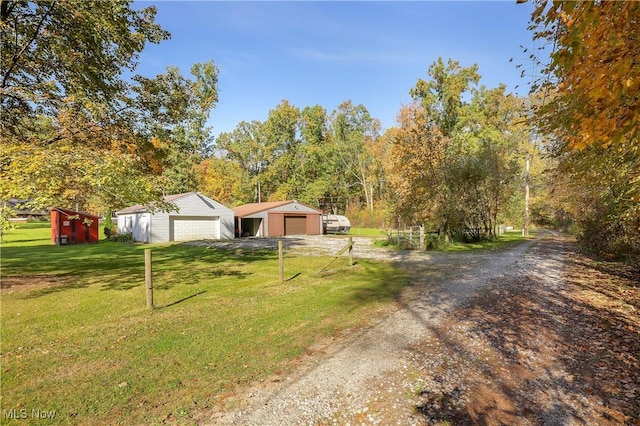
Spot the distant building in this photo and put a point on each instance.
(277, 218)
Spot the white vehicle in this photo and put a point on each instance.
(335, 224)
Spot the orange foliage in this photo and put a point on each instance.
(597, 66)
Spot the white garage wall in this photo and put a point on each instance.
(137, 223)
(157, 227)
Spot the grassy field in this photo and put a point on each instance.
(505, 240)
(79, 343)
(508, 239)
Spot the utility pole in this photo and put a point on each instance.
(525, 229)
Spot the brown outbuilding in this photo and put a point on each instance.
(276, 219)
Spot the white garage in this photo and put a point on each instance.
(195, 217)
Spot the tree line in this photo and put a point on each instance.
(77, 133)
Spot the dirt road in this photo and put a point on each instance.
(507, 337)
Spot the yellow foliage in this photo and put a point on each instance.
(596, 66)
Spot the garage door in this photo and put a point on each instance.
(189, 229)
(295, 225)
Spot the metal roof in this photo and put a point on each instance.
(138, 208)
(253, 208)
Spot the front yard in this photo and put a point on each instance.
(78, 341)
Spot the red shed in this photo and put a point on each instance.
(70, 227)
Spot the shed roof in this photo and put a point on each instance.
(253, 208)
(138, 208)
(73, 212)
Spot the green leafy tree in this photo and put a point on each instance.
(281, 179)
(61, 52)
(442, 98)
(355, 134)
(246, 146)
(318, 166)
(68, 128)
(442, 95)
(172, 112)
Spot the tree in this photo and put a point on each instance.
(492, 141)
(73, 163)
(245, 145)
(319, 170)
(172, 112)
(593, 71)
(443, 104)
(355, 133)
(69, 126)
(224, 181)
(281, 179)
(590, 116)
(454, 162)
(73, 176)
(416, 166)
(442, 95)
(62, 52)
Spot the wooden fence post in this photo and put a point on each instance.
(281, 260)
(350, 251)
(422, 247)
(148, 277)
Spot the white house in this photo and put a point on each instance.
(196, 217)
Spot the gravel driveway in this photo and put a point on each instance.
(442, 356)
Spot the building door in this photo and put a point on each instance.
(190, 229)
(295, 225)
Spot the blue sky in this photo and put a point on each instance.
(309, 53)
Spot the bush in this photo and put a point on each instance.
(122, 237)
(434, 242)
(109, 229)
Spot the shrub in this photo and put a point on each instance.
(123, 237)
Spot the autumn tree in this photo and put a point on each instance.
(225, 181)
(591, 113)
(416, 166)
(455, 153)
(67, 131)
(442, 100)
(592, 71)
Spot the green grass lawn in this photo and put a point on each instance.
(508, 239)
(505, 240)
(367, 232)
(78, 340)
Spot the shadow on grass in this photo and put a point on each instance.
(52, 289)
(228, 273)
(182, 300)
(118, 266)
(293, 277)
